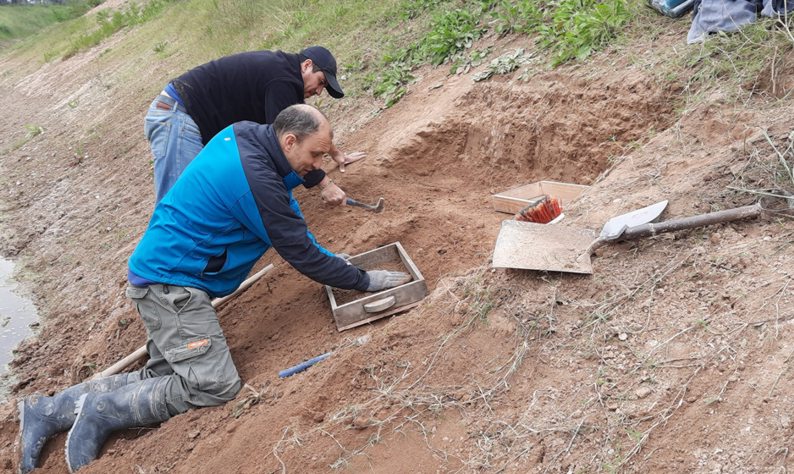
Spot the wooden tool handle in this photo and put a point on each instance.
(672, 225)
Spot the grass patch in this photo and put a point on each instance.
(20, 21)
(110, 22)
(740, 62)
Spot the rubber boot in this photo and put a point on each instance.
(100, 414)
(41, 417)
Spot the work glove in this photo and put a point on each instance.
(383, 279)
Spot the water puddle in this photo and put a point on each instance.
(16, 316)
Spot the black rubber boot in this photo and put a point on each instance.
(42, 417)
(100, 414)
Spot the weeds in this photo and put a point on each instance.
(522, 16)
(451, 33)
(463, 64)
(504, 64)
(569, 29)
(32, 131)
(112, 21)
(577, 28)
(768, 173)
(743, 62)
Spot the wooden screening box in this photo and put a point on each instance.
(515, 199)
(353, 308)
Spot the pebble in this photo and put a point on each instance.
(643, 392)
(623, 336)
(194, 434)
(360, 422)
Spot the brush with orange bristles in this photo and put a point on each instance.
(548, 209)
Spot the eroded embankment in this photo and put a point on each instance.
(85, 197)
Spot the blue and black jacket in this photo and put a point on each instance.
(230, 205)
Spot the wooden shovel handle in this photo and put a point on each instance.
(672, 225)
(140, 352)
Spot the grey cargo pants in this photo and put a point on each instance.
(185, 343)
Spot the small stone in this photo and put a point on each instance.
(360, 422)
(319, 417)
(715, 238)
(194, 434)
(612, 406)
(623, 336)
(643, 392)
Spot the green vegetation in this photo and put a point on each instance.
(568, 29)
(32, 132)
(576, 28)
(19, 21)
(380, 44)
(112, 21)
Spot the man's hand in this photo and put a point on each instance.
(331, 193)
(344, 159)
(384, 279)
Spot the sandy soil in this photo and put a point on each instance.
(672, 357)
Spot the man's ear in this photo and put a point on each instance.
(306, 65)
(289, 141)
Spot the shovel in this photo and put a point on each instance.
(568, 249)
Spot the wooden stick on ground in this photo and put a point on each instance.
(140, 352)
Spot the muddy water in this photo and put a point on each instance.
(16, 316)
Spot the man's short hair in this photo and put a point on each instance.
(299, 120)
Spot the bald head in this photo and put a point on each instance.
(300, 120)
(305, 136)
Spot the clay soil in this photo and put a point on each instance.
(673, 356)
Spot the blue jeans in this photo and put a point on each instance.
(174, 139)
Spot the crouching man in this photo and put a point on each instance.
(231, 204)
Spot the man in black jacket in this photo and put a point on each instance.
(253, 86)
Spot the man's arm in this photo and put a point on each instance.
(277, 220)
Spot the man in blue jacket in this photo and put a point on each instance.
(230, 206)
(255, 86)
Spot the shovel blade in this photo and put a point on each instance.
(615, 227)
(554, 248)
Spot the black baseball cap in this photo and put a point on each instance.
(326, 62)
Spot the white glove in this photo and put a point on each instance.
(383, 279)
